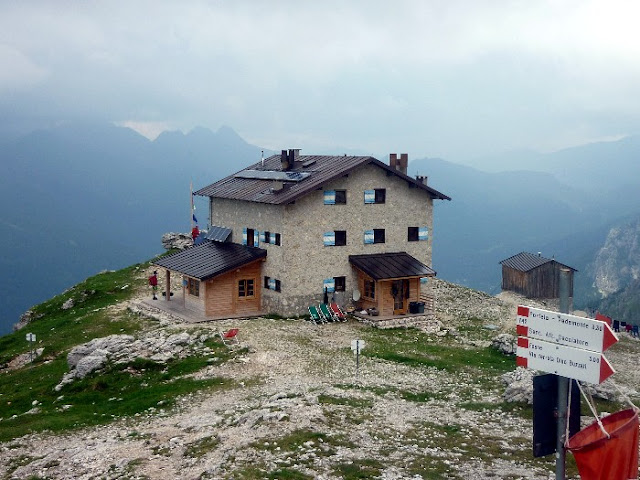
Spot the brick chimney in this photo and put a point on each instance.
(287, 159)
(400, 164)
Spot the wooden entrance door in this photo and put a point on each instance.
(400, 290)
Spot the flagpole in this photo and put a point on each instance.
(191, 203)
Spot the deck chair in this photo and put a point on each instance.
(230, 337)
(337, 313)
(316, 316)
(326, 312)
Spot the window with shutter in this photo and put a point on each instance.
(328, 285)
(368, 236)
(329, 239)
(329, 197)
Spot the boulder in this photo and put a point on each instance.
(111, 344)
(25, 319)
(173, 240)
(90, 363)
(519, 385)
(505, 343)
(68, 304)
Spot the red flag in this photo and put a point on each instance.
(603, 318)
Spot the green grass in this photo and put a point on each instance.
(287, 474)
(347, 401)
(359, 469)
(142, 386)
(121, 390)
(58, 330)
(201, 447)
(415, 349)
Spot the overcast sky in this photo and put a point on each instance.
(455, 79)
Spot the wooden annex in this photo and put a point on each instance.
(534, 276)
(219, 278)
(390, 282)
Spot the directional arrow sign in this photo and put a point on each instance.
(565, 329)
(561, 360)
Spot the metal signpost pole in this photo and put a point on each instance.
(356, 346)
(563, 387)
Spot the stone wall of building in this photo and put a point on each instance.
(308, 262)
(302, 262)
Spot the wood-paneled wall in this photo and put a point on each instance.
(222, 292)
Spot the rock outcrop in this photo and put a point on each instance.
(157, 345)
(618, 262)
(173, 240)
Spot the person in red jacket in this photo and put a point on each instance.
(153, 281)
(195, 231)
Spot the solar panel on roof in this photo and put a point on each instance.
(272, 175)
(218, 234)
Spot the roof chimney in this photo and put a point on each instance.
(262, 159)
(422, 179)
(294, 155)
(287, 159)
(399, 164)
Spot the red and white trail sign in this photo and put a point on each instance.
(561, 360)
(564, 329)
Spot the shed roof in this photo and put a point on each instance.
(382, 266)
(321, 169)
(210, 259)
(525, 261)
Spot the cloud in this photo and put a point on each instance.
(18, 72)
(441, 78)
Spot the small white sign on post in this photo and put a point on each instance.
(31, 337)
(357, 346)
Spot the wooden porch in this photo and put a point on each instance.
(175, 310)
(425, 321)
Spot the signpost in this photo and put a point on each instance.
(567, 346)
(563, 344)
(31, 337)
(357, 346)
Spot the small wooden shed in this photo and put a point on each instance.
(534, 276)
(219, 278)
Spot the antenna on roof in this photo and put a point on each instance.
(262, 158)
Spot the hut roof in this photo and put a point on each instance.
(525, 261)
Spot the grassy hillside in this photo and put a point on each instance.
(98, 312)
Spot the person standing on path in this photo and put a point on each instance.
(153, 281)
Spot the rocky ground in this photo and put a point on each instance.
(298, 411)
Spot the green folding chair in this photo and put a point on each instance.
(326, 312)
(316, 317)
